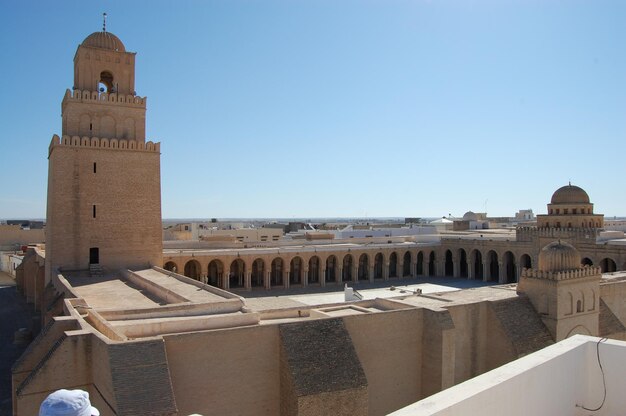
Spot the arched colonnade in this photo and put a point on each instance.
(249, 271)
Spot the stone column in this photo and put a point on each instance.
(323, 277)
(400, 267)
(305, 277)
(501, 273)
(371, 272)
(456, 267)
(355, 272)
(268, 280)
(386, 271)
(486, 271)
(470, 271)
(414, 269)
(339, 274)
(248, 281)
(286, 278)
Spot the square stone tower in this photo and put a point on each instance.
(564, 293)
(104, 187)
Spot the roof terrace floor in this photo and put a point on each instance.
(111, 291)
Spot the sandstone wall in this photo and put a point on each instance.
(226, 372)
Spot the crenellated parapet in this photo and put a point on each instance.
(104, 143)
(586, 271)
(103, 97)
(527, 233)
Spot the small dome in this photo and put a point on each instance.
(104, 40)
(559, 256)
(470, 216)
(570, 194)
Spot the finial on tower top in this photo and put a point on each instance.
(104, 22)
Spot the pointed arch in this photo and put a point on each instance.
(314, 270)
(171, 266)
(258, 273)
(236, 275)
(276, 276)
(295, 271)
(378, 266)
(346, 272)
(406, 264)
(393, 264)
(363, 269)
(192, 269)
(215, 273)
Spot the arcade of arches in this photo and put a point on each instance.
(283, 270)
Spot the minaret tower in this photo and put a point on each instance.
(104, 190)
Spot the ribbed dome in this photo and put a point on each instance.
(104, 40)
(558, 256)
(570, 194)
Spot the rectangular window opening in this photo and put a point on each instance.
(94, 167)
(94, 211)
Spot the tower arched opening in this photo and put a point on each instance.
(105, 84)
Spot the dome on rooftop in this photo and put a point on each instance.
(104, 40)
(570, 194)
(559, 256)
(470, 216)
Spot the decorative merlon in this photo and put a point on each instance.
(562, 275)
(103, 143)
(103, 97)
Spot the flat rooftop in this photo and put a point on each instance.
(114, 291)
(440, 288)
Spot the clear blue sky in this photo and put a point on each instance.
(339, 108)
